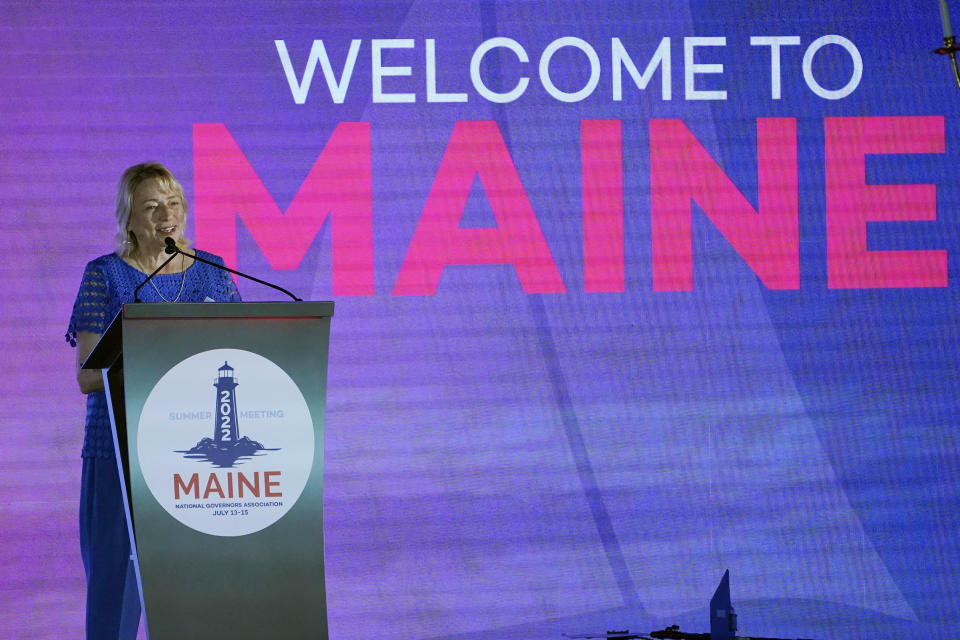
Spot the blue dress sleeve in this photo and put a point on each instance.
(224, 283)
(90, 307)
(232, 291)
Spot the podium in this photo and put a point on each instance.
(218, 421)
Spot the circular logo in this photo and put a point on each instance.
(225, 442)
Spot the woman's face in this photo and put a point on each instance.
(157, 213)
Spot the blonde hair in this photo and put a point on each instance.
(132, 178)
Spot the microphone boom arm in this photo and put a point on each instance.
(173, 250)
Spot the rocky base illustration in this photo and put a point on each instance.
(224, 454)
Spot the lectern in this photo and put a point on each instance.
(218, 421)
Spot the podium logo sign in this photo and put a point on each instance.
(226, 442)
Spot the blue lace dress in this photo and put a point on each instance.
(113, 602)
(108, 282)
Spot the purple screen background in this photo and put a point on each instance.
(502, 464)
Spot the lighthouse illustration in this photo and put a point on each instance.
(226, 447)
(225, 429)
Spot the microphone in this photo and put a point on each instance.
(173, 250)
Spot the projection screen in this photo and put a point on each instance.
(628, 294)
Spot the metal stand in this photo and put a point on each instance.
(950, 48)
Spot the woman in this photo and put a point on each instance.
(150, 208)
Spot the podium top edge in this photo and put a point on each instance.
(227, 309)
